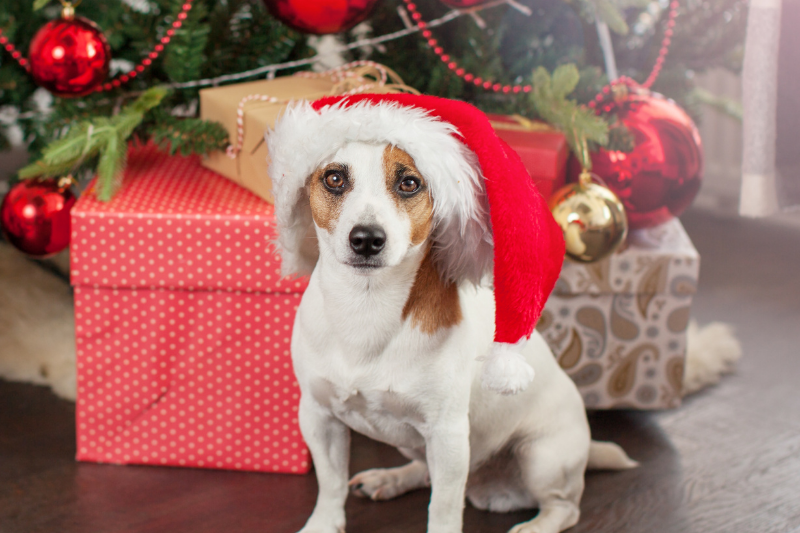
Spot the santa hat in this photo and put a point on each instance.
(488, 216)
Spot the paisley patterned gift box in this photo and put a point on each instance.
(183, 324)
(618, 326)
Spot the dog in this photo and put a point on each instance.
(389, 334)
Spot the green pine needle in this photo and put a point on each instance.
(148, 100)
(110, 167)
(611, 15)
(40, 168)
(184, 59)
(100, 135)
(82, 141)
(579, 125)
(39, 4)
(189, 136)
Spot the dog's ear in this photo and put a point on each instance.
(289, 171)
(462, 233)
(297, 240)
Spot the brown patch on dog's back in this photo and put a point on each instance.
(419, 207)
(325, 206)
(432, 304)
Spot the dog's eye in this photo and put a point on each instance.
(334, 180)
(409, 185)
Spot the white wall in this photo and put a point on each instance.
(722, 142)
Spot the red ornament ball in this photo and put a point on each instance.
(660, 178)
(320, 16)
(69, 56)
(34, 216)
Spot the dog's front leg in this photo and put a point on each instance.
(447, 453)
(328, 440)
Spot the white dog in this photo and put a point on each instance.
(389, 333)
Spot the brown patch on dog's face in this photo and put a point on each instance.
(432, 304)
(409, 190)
(327, 189)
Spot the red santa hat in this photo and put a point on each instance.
(488, 215)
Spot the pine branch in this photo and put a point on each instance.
(40, 168)
(611, 15)
(101, 135)
(184, 58)
(110, 167)
(579, 125)
(189, 136)
(84, 140)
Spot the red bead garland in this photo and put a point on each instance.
(11, 49)
(116, 82)
(497, 87)
(452, 65)
(662, 55)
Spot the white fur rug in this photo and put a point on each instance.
(37, 332)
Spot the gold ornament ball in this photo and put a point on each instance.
(592, 218)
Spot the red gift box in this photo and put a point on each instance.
(543, 150)
(183, 324)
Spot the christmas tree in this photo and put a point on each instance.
(207, 42)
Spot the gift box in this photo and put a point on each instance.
(221, 104)
(183, 324)
(247, 110)
(542, 148)
(618, 326)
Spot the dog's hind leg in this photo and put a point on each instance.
(387, 483)
(554, 477)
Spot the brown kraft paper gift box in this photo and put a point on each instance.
(222, 104)
(249, 168)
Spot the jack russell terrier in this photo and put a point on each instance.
(385, 204)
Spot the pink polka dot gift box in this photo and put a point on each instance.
(183, 324)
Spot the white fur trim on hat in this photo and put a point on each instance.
(303, 138)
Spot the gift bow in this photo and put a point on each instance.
(351, 78)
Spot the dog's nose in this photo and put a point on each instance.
(367, 240)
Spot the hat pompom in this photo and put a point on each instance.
(505, 370)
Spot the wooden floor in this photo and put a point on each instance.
(727, 461)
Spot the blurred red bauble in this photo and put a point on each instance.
(69, 56)
(659, 179)
(34, 215)
(320, 16)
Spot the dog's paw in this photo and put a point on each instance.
(387, 483)
(377, 484)
(325, 520)
(308, 529)
(314, 526)
(525, 527)
(533, 526)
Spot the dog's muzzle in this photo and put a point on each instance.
(367, 241)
